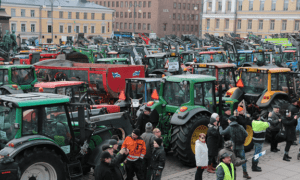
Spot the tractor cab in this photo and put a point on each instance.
(210, 56)
(188, 57)
(289, 58)
(113, 61)
(246, 58)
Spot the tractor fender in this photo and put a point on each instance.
(11, 91)
(183, 118)
(237, 94)
(28, 142)
(274, 96)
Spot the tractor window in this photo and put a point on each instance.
(150, 88)
(204, 94)
(276, 58)
(254, 83)
(125, 55)
(187, 58)
(205, 71)
(288, 56)
(30, 122)
(177, 93)
(3, 77)
(7, 120)
(95, 82)
(22, 76)
(259, 57)
(136, 90)
(279, 82)
(199, 58)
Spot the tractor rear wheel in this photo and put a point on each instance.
(248, 145)
(185, 136)
(41, 164)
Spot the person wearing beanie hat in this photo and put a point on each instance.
(137, 151)
(8, 165)
(103, 170)
(158, 159)
(148, 137)
(215, 116)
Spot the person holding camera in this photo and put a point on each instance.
(290, 123)
(274, 118)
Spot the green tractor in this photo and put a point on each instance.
(48, 141)
(17, 79)
(182, 110)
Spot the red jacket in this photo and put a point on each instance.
(137, 148)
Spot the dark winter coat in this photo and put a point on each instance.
(293, 109)
(116, 165)
(158, 158)
(290, 128)
(104, 171)
(213, 140)
(274, 121)
(7, 164)
(224, 124)
(148, 137)
(242, 120)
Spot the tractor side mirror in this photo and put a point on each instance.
(17, 126)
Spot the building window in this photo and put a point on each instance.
(149, 15)
(239, 24)
(139, 25)
(61, 29)
(149, 4)
(226, 23)
(22, 12)
(69, 29)
(113, 4)
(32, 28)
(61, 14)
(121, 25)
(183, 17)
(117, 25)
(286, 5)
(134, 14)
(126, 4)
(130, 25)
(125, 25)
(117, 4)
(77, 15)
(298, 5)
(13, 12)
(121, 4)
(217, 23)
(13, 27)
(103, 16)
(126, 14)
(140, 15)
(165, 27)
(196, 28)
(182, 27)
(77, 29)
(85, 15)
(196, 17)
(251, 5)
(193, 5)
(183, 6)
(179, 5)
(173, 27)
(49, 28)
(149, 27)
(92, 15)
(208, 23)
(174, 5)
(220, 6)
(178, 17)
(32, 13)
(188, 17)
(69, 15)
(229, 6)
(249, 24)
(134, 25)
(272, 24)
(209, 5)
(192, 27)
(100, 3)
(297, 22)
(108, 4)
(144, 26)
(284, 24)
(121, 14)
(130, 15)
(144, 4)
(187, 28)
(260, 24)
(192, 16)
(85, 29)
(188, 6)
(23, 27)
(273, 5)
(262, 5)
(117, 14)
(178, 27)
(104, 3)
(240, 5)
(49, 14)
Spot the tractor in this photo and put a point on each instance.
(182, 110)
(50, 142)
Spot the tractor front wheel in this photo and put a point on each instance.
(184, 138)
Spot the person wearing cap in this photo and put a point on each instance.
(143, 119)
(259, 135)
(224, 120)
(213, 142)
(225, 170)
(237, 135)
(137, 150)
(148, 137)
(158, 159)
(7, 165)
(294, 109)
(274, 118)
(103, 170)
(242, 119)
(118, 159)
(201, 156)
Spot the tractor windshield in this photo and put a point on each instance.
(22, 76)
(259, 57)
(205, 71)
(279, 82)
(136, 90)
(204, 94)
(187, 58)
(255, 83)
(276, 58)
(7, 128)
(3, 76)
(245, 57)
(156, 63)
(288, 56)
(211, 58)
(177, 93)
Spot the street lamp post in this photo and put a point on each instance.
(134, 5)
(200, 18)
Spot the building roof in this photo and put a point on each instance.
(64, 3)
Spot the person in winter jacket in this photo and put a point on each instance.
(274, 118)
(120, 157)
(9, 170)
(143, 119)
(148, 137)
(225, 170)
(213, 140)
(290, 124)
(103, 170)
(137, 150)
(259, 133)
(242, 119)
(294, 109)
(224, 121)
(201, 156)
(237, 135)
(158, 159)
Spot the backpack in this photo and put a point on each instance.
(237, 136)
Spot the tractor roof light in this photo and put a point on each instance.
(122, 96)
(185, 69)
(183, 109)
(150, 103)
(173, 54)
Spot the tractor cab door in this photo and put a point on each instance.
(204, 95)
(136, 90)
(293, 84)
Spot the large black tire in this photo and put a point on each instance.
(33, 160)
(185, 136)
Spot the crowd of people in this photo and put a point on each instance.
(217, 151)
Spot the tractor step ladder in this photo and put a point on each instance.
(75, 169)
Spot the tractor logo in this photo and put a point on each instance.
(136, 73)
(115, 75)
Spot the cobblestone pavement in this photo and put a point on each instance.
(273, 167)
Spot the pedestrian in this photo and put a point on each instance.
(201, 156)
(274, 118)
(294, 108)
(213, 140)
(225, 170)
(115, 145)
(237, 135)
(137, 150)
(148, 137)
(290, 122)
(224, 121)
(242, 118)
(259, 135)
(120, 170)
(157, 133)
(158, 159)
(9, 170)
(143, 119)
(103, 170)
(228, 148)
